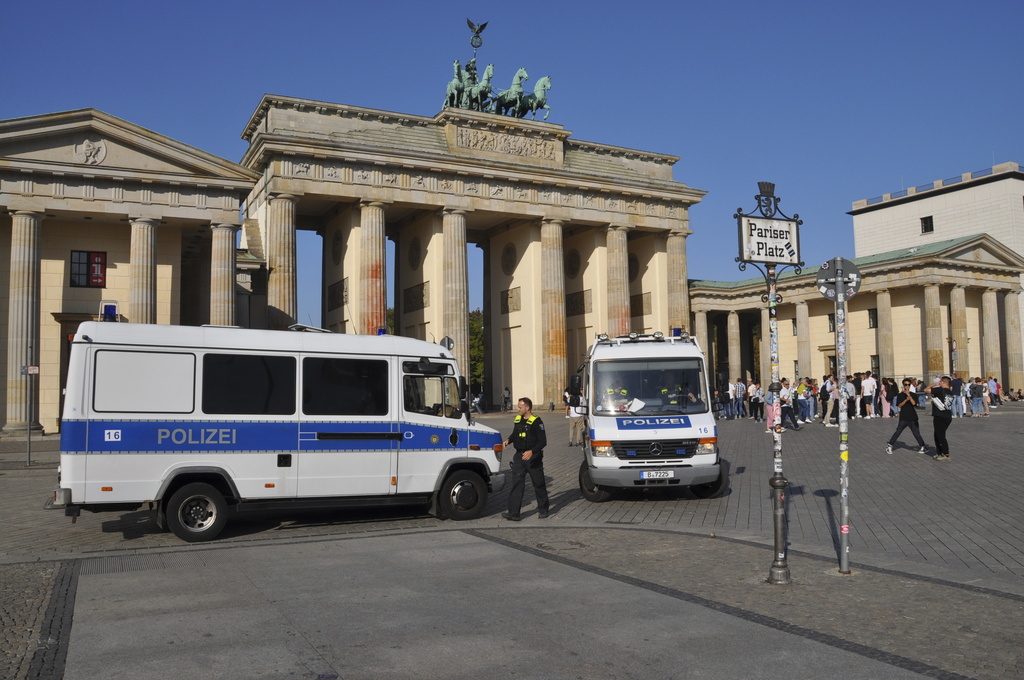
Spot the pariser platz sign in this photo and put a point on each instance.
(768, 240)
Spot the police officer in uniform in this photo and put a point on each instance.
(528, 439)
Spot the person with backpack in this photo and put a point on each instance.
(574, 412)
(977, 394)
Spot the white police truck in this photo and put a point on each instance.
(650, 422)
(194, 422)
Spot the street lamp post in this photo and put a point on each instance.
(771, 239)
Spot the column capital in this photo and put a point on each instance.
(553, 220)
(454, 211)
(284, 197)
(28, 213)
(225, 225)
(372, 203)
(619, 227)
(146, 221)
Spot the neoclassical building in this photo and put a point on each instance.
(97, 213)
(942, 266)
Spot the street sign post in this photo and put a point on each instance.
(770, 238)
(839, 280)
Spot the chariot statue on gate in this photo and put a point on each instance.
(465, 91)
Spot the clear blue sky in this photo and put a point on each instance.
(833, 102)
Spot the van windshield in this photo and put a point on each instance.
(666, 386)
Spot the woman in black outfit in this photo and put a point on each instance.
(942, 414)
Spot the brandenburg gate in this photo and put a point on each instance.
(578, 237)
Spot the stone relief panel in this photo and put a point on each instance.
(337, 295)
(415, 298)
(640, 305)
(90, 150)
(578, 303)
(500, 142)
(510, 300)
(509, 259)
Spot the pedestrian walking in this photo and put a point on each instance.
(786, 397)
(574, 412)
(942, 414)
(756, 402)
(906, 403)
(529, 439)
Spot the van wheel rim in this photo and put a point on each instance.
(197, 513)
(464, 495)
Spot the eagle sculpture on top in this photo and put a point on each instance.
(477, 30)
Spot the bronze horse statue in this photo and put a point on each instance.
(508, 101)
(538, 100)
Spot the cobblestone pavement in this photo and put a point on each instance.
(937, 548)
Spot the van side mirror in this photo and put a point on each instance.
(575, 383)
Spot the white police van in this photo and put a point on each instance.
(649, 418)
(194, 421)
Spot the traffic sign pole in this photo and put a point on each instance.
(844, 422)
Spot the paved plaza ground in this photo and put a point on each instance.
(652, 585)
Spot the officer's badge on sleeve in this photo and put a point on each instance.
(542, 426)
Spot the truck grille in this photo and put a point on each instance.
(661, 449)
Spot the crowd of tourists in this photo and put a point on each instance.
(866, 396)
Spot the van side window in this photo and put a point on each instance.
(432, 396)
(344, 387)
(144, 382)
(248, 384)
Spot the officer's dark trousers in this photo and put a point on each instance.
(520, 468)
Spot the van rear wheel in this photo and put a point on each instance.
(592, 492)
(463, 495)
(196, 512)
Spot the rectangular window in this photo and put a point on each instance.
(88, 270)
(794, 326)
(832, 323)
(143, 382)
(926, 225)
(874, 365)
(657, 386)
(873, 317)
(432, 395)
(248, 384)
(344, 387)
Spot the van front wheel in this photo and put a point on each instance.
(196, 512)
(592, 492)
(463, 495)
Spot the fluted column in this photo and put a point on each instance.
(1014, 341)
(700, 331)
(552, 266)
(23, 319)
(142, 279)
(222, 275)
(282, 285)
(766, 344)
(991, 359)
(735, 355)
(958, 330)
(886, 349)
(618, 281)
(803, 339)
(678, 299)
(372, 268)
(933, 340)
(456, 285)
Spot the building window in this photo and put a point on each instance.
(873, 317)
(874, 365)
(88, 270)
(926, 225)
(794, 326)
(831, 323)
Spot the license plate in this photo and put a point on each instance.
(657, 474)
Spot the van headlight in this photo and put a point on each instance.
(707, 446)
(602, 449)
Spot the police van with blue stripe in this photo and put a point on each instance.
(649, 416)
(196, 421)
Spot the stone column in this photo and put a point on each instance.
(803, 341)
(552, 287)
(700, 331)
(735, 356)
(678, 300)
(618, 281)
(934, 344)
(886, 349)
(23, 320)
(456, 285)
(991, 360)
(1014, 341)
(142, 279)
(766, 348)
(958, 330)
(222, 275)
(372, 268)
(282, 286)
